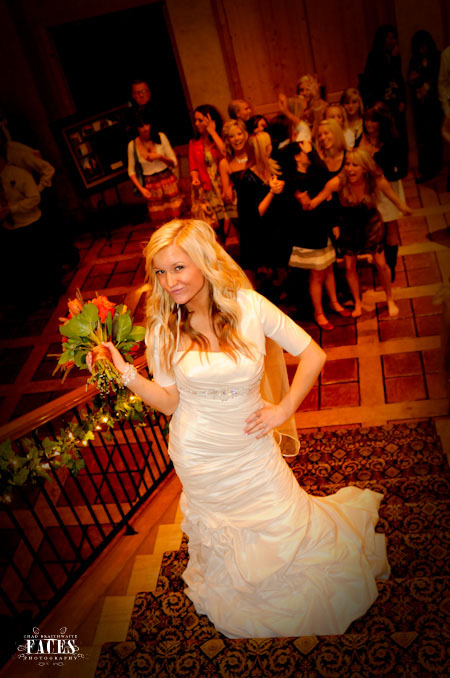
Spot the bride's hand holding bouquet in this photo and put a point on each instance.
(90, 333)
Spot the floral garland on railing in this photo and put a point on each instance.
(83, 330)
(36, 461)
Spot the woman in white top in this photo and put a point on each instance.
(150, 159)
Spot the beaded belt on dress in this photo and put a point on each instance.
(223, 393)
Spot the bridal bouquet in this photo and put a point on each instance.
(86, 326)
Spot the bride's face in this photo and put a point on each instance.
(179, 276)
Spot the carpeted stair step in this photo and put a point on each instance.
(402, 635)
(402, 628)
(411, 555)
(421, 603)
(409, 517)
(418, 489)
(419, 555)
(390, 655)
(413, 440)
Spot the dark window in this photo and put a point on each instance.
(101, 57)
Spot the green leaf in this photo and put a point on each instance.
(6, 450)
(89, 313)
(125, 346)
(66, 357)
(76, 466)
(68, 330)
(109, 324)
(137, 333)
(80, 326)
(124, 325)
(80, 360)
(49, 444)
(20, 477)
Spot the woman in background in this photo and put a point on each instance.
(235, 161)
(259, 211)
(382, 81)
(257, 123)
(331, 146)
(240, 109)
(361, 225)
(150, 162)
(313, 250)
(423, 79)
(354, 108)
(206, 150)
(306, 109)
(337, 112)
(381, 140)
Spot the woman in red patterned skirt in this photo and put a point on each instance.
(150, 162)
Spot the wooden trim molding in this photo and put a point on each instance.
(226, 43)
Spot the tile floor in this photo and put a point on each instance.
(379, 369)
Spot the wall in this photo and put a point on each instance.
(225, 48)
(200, 53)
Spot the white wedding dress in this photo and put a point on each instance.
(265, 558)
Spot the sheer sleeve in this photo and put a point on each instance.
(273, 323)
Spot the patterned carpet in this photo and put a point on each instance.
(405, 634)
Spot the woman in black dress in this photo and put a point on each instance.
(313, 249)
(361, 225)
(259, 212)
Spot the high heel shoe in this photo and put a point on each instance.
(326, 326)
(344, 312)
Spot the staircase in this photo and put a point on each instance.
(404, 632)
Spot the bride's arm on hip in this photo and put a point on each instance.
(161, 398)
(311, 361)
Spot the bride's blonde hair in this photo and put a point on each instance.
(224, 279)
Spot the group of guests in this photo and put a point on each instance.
(319, 180)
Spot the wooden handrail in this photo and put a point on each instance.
(41, 415)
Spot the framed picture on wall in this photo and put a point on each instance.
(95, 147)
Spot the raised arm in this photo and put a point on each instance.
(276, 187)
(284, 108)
(211, 129)
(330, 187)
(227, 188)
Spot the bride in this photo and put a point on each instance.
(265, 558)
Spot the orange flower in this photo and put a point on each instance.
(104, 305)
(75, 306)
